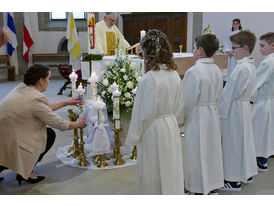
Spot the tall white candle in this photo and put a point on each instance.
(116, 108)
(80, 92)
(73, 78)
(142, 34)
(93, 80)
(88, 89)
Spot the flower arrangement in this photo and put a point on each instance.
(124, 73)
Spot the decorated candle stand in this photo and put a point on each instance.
(75, 147)
(116, 119)
(73, 117)
(80, 91)
(100, 144)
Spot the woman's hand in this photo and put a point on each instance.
(72, 102)
(81, 122)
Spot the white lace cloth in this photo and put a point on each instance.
(126, 151)
(100, 140)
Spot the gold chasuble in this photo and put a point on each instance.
(111, 42)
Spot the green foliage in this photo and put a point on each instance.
(92, 57)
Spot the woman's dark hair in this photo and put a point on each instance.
(157, 50)
(239, 21)
(34, 73)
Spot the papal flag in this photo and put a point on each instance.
(74, 48)
(12, 44)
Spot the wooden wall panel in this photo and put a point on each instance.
(173, 24)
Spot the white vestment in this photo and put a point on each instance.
(154, 128)
(100, 37)
(239, 154)
(231, 60)
(201, 89)
(263, 108)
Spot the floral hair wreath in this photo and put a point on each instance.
(157, 39)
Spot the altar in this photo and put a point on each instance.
(183, 60)
(114, 80)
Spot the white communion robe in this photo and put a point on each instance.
(231, 60)
(100, 37)
(263, 108)
(239, 154)
(155, 130)
(201, 89)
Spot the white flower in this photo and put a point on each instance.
(128, 95)
(109, 90)
(136, 75)
(129, 85)
(102, 73)
(134, 91)
(107, 63)
(132, 66)
(129, 60)
(103, 93)
(105, 82)
(127, 103)
(123, 70)
(125, 77)
(138, 79)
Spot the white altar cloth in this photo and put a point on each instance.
(100, 65)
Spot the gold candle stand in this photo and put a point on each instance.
(116, 153)
(181, 48)
(99, 160)
(82, 158)
(75, 147)
(134, 153)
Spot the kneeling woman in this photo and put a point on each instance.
(24, 114)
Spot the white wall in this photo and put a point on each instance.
(47, 41)
(259, 23)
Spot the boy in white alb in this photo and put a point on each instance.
(201, 89)
(263, 108)
(239, 154)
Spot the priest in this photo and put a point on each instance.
(106, 35)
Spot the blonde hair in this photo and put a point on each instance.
(157, 50)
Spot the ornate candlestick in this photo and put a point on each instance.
(181, 48)
(82, 158)
(75, 147)
(117, 154)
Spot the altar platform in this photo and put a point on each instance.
(183, 60)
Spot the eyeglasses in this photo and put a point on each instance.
(236, 47)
